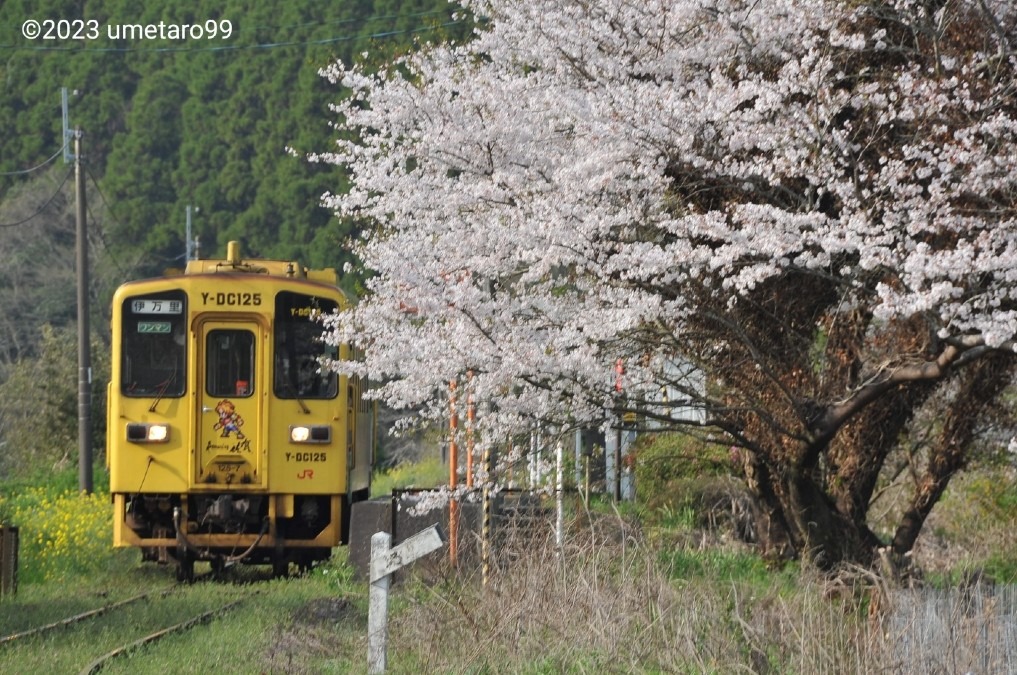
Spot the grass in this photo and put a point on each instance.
(281, 626)
(634, 589)
(427, 473)
(67, 566)
(688, 564)
(308, 624)
(605, 603)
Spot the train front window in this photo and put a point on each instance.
(299, 348)
(154, 345)
(229, 363)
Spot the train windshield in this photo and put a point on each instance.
(229, 362)
(299, 347)
(154, 345)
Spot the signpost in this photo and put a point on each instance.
(385, 560)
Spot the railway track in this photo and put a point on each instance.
(98, 664)
(116, 629)
(82, 616)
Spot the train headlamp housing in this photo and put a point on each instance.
(138, 432)
(310, 433)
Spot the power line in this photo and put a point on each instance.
(44, 206)
(35, 168)
(99, 231)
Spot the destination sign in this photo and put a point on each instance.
(156, 306)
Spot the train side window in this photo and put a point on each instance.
(299, 348)
(153, 342)
(229, 362)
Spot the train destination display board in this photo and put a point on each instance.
(156, 306)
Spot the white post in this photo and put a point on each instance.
(532, 463)
(540, 456)
(579, 457)
(628, 479)
(377, 611)
(559, 538)
(384, 561)
(610, 448)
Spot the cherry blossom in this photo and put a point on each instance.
(586, 182)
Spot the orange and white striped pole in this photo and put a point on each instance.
(471, 415)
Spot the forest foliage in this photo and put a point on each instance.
(200, 122)
(221, 125)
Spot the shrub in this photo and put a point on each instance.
(61, 533)
(685, 484)
(663, 461)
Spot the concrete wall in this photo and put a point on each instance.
(375, 515)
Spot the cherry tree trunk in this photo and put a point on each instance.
(798, 520)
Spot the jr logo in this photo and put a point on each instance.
(306, 473)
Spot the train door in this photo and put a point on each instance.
(230, 404)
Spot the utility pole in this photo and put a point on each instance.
(84, 347)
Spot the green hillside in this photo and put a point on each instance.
(204, 121)
(217, 117)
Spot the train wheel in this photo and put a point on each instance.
(280, 567)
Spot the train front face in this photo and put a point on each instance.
(226, 441)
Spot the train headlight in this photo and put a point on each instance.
(147, 433)
(311, 433)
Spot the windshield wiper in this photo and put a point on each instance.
(289, 389)
(162, 391)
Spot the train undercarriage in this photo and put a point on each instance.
(231, 528)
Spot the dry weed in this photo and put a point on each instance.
(607, 601)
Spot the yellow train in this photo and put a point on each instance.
(226, 441)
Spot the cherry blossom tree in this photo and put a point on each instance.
(811, 202)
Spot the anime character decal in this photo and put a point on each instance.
(229, 420)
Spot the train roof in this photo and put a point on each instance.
(233, 263)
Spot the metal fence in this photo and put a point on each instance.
(959, 630)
